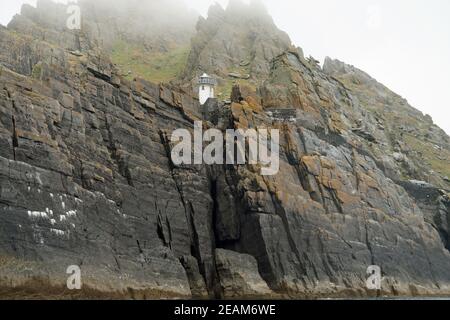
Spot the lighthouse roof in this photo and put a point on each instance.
(206, 79)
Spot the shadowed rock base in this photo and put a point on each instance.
(87, 177)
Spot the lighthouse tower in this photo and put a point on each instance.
(206, 88)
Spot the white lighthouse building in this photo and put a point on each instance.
(206, 88)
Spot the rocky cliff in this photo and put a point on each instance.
(234, 45)
(86, 176)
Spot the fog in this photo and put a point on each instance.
(404, 44)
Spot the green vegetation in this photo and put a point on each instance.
(134, 60)
(406, 125)
(437, 159)
(37, 71)
(224, 88)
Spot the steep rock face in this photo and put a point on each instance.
(149, 39)
(239, 275)
(421, 150)
(86, 179)
(47, 23)
(235, 43)
(333, 208)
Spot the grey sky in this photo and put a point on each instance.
(404, 44)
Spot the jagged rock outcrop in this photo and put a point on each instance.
(158, 25)
(86, 177)
(420, 149)
(331, 208)
(235, 43)
(144, 38)
(239, 276)
(82, 159)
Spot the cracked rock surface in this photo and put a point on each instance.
(86, 179)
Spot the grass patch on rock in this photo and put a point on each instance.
(135, 61)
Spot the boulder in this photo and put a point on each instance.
(239, 276)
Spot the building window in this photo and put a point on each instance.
(203, 87)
